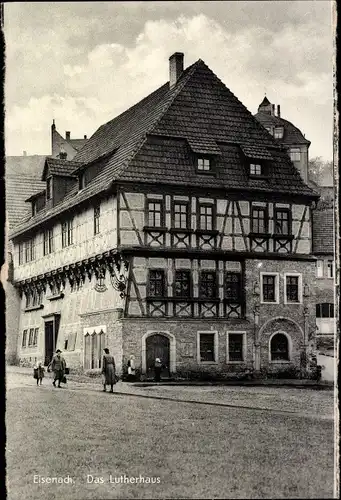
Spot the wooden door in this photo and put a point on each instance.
(157, 346)
(49, 341)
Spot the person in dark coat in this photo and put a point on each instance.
(108, 370)
(157, 369)
(58, 366)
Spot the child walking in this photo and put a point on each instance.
(39, 373)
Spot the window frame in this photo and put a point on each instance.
(255, 173)
(240, 287)
(203, 159)
(244, 347)
(321, 267)
(30, 337)
(276, 286)
(190, 285)
(289, 344)
(278, 210)
(213, 217)
(24, 338)
(281, 132)
(293, 152)
(185, 203)
(21, 253)
(67, 233)
(48, 246)
(214, 333)
(161, 202)
(205, 273)
(299, 288)
(266, 219)
(163, 282)
(35, 337)
(331, 307)
(330, 269)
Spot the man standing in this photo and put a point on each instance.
(58, 367)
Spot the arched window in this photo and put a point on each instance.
(325, 310)
(279, 347)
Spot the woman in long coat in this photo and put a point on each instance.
(108, 370)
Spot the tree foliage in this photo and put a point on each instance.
(321, 171)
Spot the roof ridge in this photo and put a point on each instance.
(177, 89)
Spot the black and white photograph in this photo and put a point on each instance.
(171, 268)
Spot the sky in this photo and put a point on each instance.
(83, 63)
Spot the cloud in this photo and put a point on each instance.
(82, 93)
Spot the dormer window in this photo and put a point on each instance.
(279, 132)
(49, 188)
(255, 169)
(204, 164)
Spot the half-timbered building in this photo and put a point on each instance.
(181, 230)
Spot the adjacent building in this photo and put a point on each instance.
(181, 230)
(286, 134)
(24, 180)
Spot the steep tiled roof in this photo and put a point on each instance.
(292, 134)
(323, 231)
(204, 145)
(56, 166)
(18, 189)
(199, 105)
(258, 152)
(77, 144)
(25, 165)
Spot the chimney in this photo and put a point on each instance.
(278, 110)
(273, 109)
(24, 153)
(67, 135)
(53, 126)
(176, 67)
(85, 137)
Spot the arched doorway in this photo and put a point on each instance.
(157, 346)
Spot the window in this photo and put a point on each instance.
(282, 222)
(21, 253)
(67, 233)
(48, 241)
(292, 288)
(206, 222)
(269, 288)
(155, 213)
(49, 188)
(29, 250)
(30, 337)
(204, 164)
(233, 287)
(319, 269)
(330, 269)
(97, 214)
(24, 339)
(235, 346)
(157, 283)
(255, 169)
(259, 220)
(34, 298)
(93, 348)
(182, 284)
(181, 215)
(279, 132)
(35, 336)
(325, 310)
(295, 154)
(279, 347)
(208, 285)
(207, 347)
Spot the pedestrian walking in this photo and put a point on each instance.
(38, 373)
(157, 369)
(108, 370)
(58, 367)
(131, 368)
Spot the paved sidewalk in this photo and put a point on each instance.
(310, 403)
